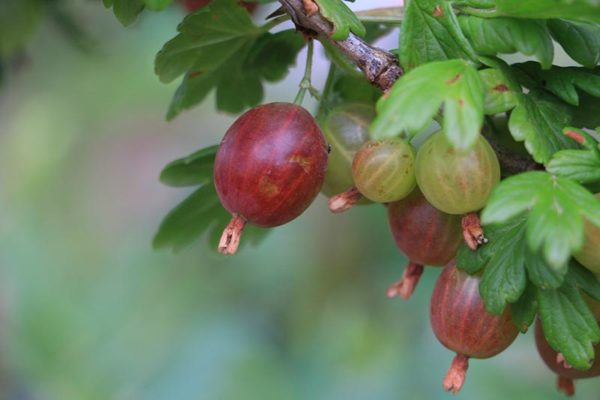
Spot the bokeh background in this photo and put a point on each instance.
(88, 310)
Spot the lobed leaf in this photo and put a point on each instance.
(582, 166)
(564, 82)
(126, 11)
(190, 219)
(503, 264)
(554, 208)
(525, 309)
(585, 279)
(568, 324)
(235, 61)
(580, 10)
(195, 169)
(538, 121)
(580, 40)
(343, 19)
(491, 37)
(415, 99)
(431, 32)
(499, 96)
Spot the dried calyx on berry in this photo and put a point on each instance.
(425, 235)
(269, 168)
(461, 323)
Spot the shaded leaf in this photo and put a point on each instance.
(18, 21)
(568, 324)
(585, 279)
(126, 11)
(541, 274)
(580, 40)
(564, 82)
(195, 169)
(235, 62)
(190, 219)
(525, 309)
(491, 37)
(430, 32)
(503, 263)
(538, 121)
(199, 214)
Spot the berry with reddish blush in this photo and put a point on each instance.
(556, 362)
(269, 168)
(425, 235)
(454, 181)
(461, 323)
(384, 171)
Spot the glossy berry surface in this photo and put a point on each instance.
(384, 171)
(346, 129)
(456, 182)
(426, 235)
(589, 255)
(460, 321)
(271, 164)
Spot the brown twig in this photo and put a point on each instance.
(380, 67)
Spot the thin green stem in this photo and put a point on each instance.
(388, 16)
(480, 12)
(274, 22)
(305, 84)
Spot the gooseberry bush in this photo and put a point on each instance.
(488, 167)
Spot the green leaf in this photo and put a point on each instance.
(200, 213)
(525, 309)
(585, 279)
(538, 120)
(195, 169)
(491, 37)
(190, 219)
(416, 97)
(157, 5)
(581, 10)
(206, 40)
(235, 60)
(580, 40)
(582, 166)
(126, 11)
(18, 21)
(342, 18)
(499, 97)
(430, 32)
(568, 324)
(586, 115)
(541, 274)
(555, 210)
(504, 277)
(562, 81)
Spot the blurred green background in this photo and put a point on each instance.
(89, 311)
